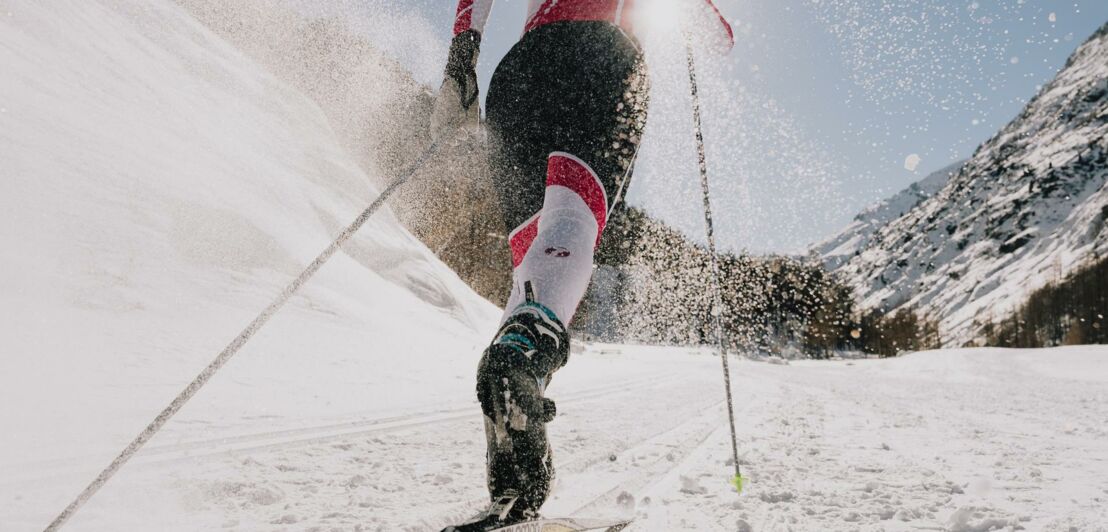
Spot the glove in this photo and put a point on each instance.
(456, 104)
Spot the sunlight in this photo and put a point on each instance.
(658, 16)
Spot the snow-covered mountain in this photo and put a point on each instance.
(159, 188)
(1029, 206)
(381, 115)
(840, 248)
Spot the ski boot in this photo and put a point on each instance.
(502, 512)
(511, 382)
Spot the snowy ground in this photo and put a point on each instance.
(159, 188)
(961, 440)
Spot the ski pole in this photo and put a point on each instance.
(245, 335)
(717, 293)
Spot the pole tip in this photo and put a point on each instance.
(738, 481)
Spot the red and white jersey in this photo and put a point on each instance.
(472, 14)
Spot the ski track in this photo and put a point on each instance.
(273, 440)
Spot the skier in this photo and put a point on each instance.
(565, 113)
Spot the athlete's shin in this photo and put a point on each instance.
(553, 251)
(558, 264)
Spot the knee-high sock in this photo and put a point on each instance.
(554, 249)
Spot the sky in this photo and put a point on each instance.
(822, 108)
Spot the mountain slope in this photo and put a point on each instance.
(160, 188)
(382, 116)
(837, 250)
(1029, 206)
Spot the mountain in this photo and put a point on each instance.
(837, 250)
(1029, 206)
(160, 189)
(381, 115)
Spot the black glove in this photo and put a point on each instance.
(456, 103)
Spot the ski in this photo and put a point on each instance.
(492, 519)
(565, 525)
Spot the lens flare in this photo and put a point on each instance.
(658, 16)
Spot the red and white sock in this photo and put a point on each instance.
(554, 249)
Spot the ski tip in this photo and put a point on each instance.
(738, 481)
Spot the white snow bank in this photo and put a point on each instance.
(159, 189)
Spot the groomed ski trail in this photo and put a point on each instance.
(165, 454)
(958, 440)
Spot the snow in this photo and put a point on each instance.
(160, 188)
(911, 162)
(971, 439)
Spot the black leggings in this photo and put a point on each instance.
(576, 86)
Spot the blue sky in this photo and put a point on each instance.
(822, 107)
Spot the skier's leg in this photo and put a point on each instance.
(554, 250)
(565, 111)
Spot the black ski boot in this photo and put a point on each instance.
(500, 513)
(511, 380)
